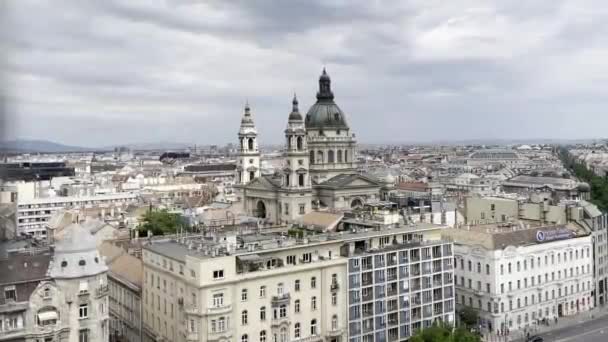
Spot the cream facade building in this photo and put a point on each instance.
(515, 276)
(270, 287)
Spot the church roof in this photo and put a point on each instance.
(349, 181)
(325, 113)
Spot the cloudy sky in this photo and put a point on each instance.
(96, 73)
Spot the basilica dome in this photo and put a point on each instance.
(325, 113)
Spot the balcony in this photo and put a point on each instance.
(335, 333)
(219, 310)
(219, 335)
(191, 309)
(280, 299)
(275, 322)
(102, 290)
(313, 338)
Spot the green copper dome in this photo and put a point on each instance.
(325, 113)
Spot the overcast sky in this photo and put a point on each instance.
(96, 73)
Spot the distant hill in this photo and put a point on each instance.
(23, 146)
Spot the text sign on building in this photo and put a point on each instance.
(550, 235)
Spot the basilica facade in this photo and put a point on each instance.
(319, 172)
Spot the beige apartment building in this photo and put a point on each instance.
(274, 287)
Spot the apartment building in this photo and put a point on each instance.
(516, 275)
(538, 210)
(34, 214)
(55, 295)
(274, 287)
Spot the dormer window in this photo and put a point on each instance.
(96, 260)
(47, 292)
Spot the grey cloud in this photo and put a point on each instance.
(177, 70)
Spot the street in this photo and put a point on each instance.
(588, 331)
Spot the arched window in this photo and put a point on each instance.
(334, 323)
(299, 143)
(296, 330)
(296, 306)
(244, 294)
(244, 338)
(263, 313)
(313, 327)
(339, 156)
(470, 265)
(319, 157)
(244, 317)
(330, 156)
(251, 175)
(250, 144)
(263, 336)
(487, 269)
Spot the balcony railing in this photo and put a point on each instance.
(102, 290)
(218, 310)
(334, 286)
(313, 338)
(279, 320)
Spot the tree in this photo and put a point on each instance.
(444, 333)
(160, 222)
(469, 316)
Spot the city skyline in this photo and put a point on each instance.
(154, 71)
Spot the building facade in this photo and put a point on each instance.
(56, 296)
(269, 287)
(517, 277)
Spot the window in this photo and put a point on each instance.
(296, 285)
(218, 300)
(244, 295)
(83, 311)
(334, 323)
(470, 266)
(334, 298)
(244, 317)
(302, 205)
(244, 338)
(313, 303)
(83, 335)
(84, 286)
(263, 336)
(291, 260)
(219, 274)
(296, 330)
(283, 335)
(286, 210)
(487, 269)
(283, 311)
(502, 269)
(313, 327)
(509, 268)
(313, 282)
(296, 306)
(262, 291)
(478, 267)
(307, 257)
(263, 313)
(10, 293)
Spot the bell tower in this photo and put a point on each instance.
(248, 160)
(296, 175)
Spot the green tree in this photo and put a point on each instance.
(444, 333)
(469, 316)
(160, 222)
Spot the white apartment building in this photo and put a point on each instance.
(271, 287)
(34, 214)
(516, 276)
